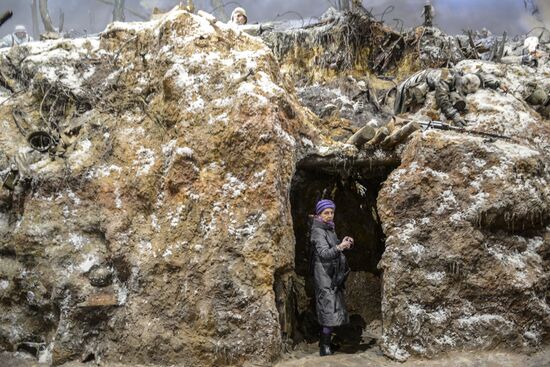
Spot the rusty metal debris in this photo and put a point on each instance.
(41, 141)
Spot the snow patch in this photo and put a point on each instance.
(435, 278)
(77, 241)
(145, 160)
(145, 247)
(118, 201)
(185, 151)
(481, 319)
(448, 202)
(233, 186)
(87, 264)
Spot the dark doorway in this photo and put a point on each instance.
(356, 216)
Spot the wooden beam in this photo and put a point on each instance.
(366, 164)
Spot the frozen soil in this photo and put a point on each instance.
(307, 356)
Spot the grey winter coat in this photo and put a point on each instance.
(330, 305)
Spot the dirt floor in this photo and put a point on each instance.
(308, 356)
(373, 358)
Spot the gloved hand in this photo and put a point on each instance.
(458, 121)
(529, 60)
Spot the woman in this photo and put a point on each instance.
(330, 270)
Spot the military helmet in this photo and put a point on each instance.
(469, 83)
(238, 11)
(531, 44)
(537, 97)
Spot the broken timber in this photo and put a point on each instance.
(365, 164)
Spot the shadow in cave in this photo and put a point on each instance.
(356, 216)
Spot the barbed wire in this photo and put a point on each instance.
(399, 21)
(389, 9)
(223, 5)
(289, 12)
(544, 30)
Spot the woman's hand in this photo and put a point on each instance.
(346, 244)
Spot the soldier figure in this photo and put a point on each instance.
(18, 37)
(450, 89)
(239, 17)
(538, 97)
(428, 14)
(529, 54)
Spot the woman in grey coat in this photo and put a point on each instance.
(330, 270)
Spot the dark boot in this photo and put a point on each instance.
(324, 345)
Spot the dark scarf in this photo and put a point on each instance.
(330, 224)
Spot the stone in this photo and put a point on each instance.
(172, 198)
(100, 276)
(466, 221)
(163, 233)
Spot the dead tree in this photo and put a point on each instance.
(133, 12)
(344, 5)
(118, 11)
(428, 15)
(61, 20)
(356, 4)
(5, 17)
(43, 6)
(35, 23)
(218, 8)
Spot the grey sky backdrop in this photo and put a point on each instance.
(451, 15)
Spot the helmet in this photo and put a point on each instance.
(238, 11)
(469, 83)
(20, 28)
(531, 44)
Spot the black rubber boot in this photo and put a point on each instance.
(324, 345)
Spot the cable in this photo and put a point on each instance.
(290, 12)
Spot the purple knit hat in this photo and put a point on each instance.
(324, 204)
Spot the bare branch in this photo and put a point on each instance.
(61, 20)
(43, 6)
(133, 12)
(118, 11)
(218, 8)
(35, 23)
(5, 17)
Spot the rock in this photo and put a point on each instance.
(328, 110)
(173, 195)
(100, 276)
(466, 221)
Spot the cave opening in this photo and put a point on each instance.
(354, 192)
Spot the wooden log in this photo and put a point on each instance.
(334, 164)
(380, 135)
(400, 135)
(362, 135)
